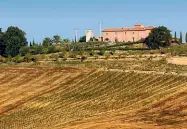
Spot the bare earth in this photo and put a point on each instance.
(178, 60)
(74, 98)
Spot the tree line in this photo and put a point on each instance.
(13, 42)
(180, 39)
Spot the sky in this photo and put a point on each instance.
(45, 18)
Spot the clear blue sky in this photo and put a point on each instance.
(45, 18)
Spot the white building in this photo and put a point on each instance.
(89, 35)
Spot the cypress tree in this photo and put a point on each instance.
(186, 37)
(175, 36)
(33, 43)
(30, 44)
(180, 38)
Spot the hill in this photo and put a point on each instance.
(48, 98)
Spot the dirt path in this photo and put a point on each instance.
(178, 60)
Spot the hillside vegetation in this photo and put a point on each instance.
(56, 98)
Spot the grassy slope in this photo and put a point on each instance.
(73, 98)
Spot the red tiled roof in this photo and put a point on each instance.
(128, 29)
(149, 27)
(113, 29)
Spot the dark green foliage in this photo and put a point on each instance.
(186, 37)
(175, 36)
(82, 39)
(34, 43)
(51, 49)
(27, 57)
(2, 44)
(24, 50)
(47, 42)
(113, 51)
(159, 37)
(91, 39)
(101, 52)
(36, 50)
(14, 38)
(56, 39)
(44, 50)
(30, 44)
(180, 40)
(17, 59)
(66, 40)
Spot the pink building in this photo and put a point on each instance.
(124, 34)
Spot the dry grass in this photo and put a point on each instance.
(48, 98)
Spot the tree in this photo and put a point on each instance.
(180, 41)
(186, 37)
(82, 39)
(2, 44)
(24, 50)
(30, 44)
(159, 37)
(47, 42)
(33, 43)
(14, 38)
(91, 39)
(66, 40)
(175, 36)
(56, 39)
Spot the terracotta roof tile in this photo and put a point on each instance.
(128, 29)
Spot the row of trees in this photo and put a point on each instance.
(56, 39)
(180, 39)
(13, 41)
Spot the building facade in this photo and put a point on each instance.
(137, 33)
(89, 35)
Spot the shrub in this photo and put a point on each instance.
(24, 50)
(113, 51)
(5, 60)
(58, 49)
(39, 50)
(1, 59)
(34, 59)
(83, 58)
(9, 58)
(17, 59)
(54, 57)
(27, 57)
(63, 54)
(64, 59)
(51, 49)
(44, 50)
(162, 52)
(101, 52)
(72, 55)
(92, 53)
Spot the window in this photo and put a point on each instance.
(106, 33)
(125, 33)
(107, 39)
(132, 32)
(116, 40)
(133, 39)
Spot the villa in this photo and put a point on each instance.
(137, 33)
